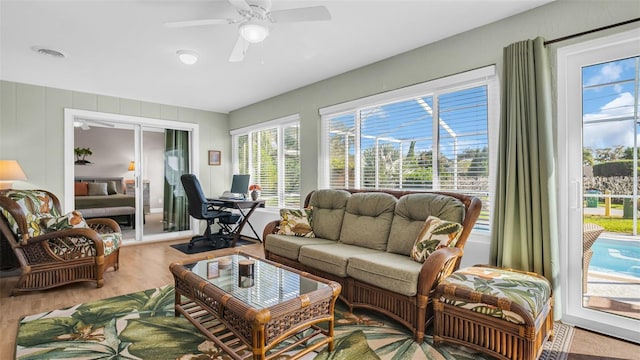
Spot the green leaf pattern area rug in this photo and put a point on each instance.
(142, 325)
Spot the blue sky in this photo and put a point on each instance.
(609, 91)
(462, 112)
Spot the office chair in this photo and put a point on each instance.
(203, 209)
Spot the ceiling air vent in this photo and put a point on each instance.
(49, 52)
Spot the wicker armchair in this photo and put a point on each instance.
(53, 249)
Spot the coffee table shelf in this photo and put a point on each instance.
(253, 321)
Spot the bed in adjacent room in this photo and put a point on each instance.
(101, 192)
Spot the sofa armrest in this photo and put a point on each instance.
(272, 227)
(440, 264)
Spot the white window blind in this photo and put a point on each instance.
(270, 153)
(431, 139)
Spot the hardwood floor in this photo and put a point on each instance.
(147, 266)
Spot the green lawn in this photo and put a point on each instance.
(611, 224)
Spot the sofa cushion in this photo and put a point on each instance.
(328, 212)
(81, 188)
(435, 234)
(411, 212)
(367, 220)
(397, 273)
(296, 222)
(98, 189)
(331, 258)
(112, 187)
(289, 246)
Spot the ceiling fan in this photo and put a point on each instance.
(85, 124)
(255, 18)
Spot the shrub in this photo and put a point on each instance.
(614, 168)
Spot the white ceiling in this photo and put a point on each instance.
(121, 48)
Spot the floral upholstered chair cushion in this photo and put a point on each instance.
(72, 220)
(43, 217)
(435, 233)
(85, 246)
(530, 292)
(296, 222)
(36, 205)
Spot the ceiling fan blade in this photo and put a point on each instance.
(313, 13)
(240, 5)
(188, 23)
(239, 50)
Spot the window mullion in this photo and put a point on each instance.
(435, 153)
(358, 163)
(280, 166)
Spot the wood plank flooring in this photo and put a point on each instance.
(146, 266)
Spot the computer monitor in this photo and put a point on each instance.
(240, 184)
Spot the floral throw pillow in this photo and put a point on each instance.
(435, 234)
(296, 223)
(72, 220)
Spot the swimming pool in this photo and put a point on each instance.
(616, 256)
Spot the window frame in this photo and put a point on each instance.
(279, 124)
(485, 76)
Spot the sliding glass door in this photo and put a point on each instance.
(147, 156)
(599, 135)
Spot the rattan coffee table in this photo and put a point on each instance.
(248, 316)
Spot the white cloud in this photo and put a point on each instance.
(608, 73)
(614, 133)
(618, 107)
(608, 135)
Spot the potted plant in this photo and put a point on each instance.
(255, 191)
(81, 154)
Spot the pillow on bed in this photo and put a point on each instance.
(98, 189)
(112, 187)
(81, 188)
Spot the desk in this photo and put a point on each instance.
(242, 206)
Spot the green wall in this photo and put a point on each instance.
(474, 49)
(31, 130)
(31, 117)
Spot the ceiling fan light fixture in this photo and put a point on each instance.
(254, 31)
(187, 57)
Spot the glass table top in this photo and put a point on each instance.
(257, 283)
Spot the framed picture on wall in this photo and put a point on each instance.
(214, 157)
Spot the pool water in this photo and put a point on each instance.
(616, 256)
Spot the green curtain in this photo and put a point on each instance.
(525, 233)
(176, 163)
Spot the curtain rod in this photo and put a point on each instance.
(590, 31)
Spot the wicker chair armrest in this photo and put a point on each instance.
(104, 225)
(272, 227)
(440, 264)
(78, 232)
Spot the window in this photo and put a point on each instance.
(431, 136)
(270, 153)
(610, 143)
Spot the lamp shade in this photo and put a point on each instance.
(10, 170)
(132, 166)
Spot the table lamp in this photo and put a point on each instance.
(10, 170)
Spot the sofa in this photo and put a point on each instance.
(366, 241)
